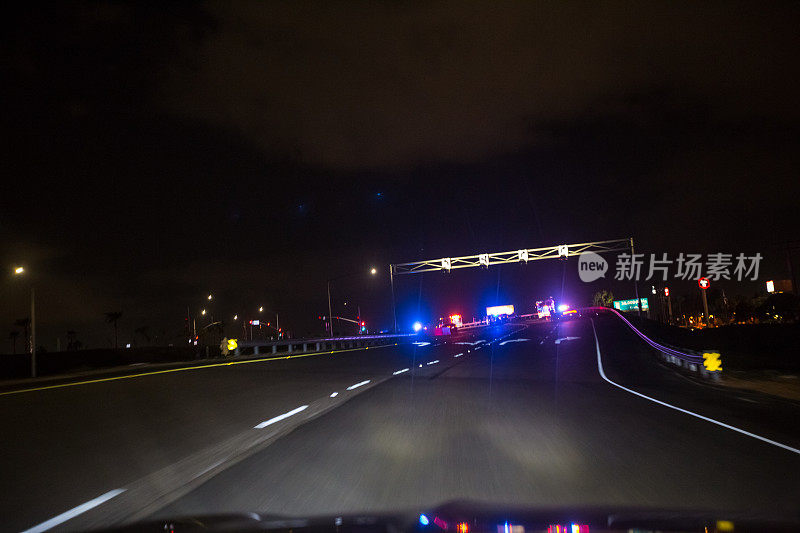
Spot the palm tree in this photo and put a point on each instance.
(72, 340)
(141, 331)
(212, 333)
(112, 317)
(603, 298)
(13, 336)
(24, 323)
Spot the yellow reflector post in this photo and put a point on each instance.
(712, 362)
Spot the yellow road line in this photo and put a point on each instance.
(181, 369)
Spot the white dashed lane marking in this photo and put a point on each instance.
(280, 417)
(75, 511)
(357, 385)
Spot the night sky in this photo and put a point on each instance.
(156, 153)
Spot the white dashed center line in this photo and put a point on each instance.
(334, 394)
(72, 513)
(357, 385)
(512, 340)
(281, 417)
(400, 371)
(433, 362)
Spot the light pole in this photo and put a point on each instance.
(373, 271)
(391, 283)
(192, 328)
(705, 304)
(669, 303)
(330, 313)
(635, 281)
(277, 320)
(19, 271)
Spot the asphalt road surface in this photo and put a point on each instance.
(533, 416)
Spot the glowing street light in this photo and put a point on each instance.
(260, 309)
(236, 317)
(18, 271)
(203, 312)
(210, 297)
(372, 271)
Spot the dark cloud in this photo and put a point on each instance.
(385, 84)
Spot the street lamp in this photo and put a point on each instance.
(210, 297)
(372, 271)
(18, 271)
(277, 318)
(203, 312)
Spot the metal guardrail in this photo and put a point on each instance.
(324, 344)
(318, 344)
(686, 359)
(472, 325)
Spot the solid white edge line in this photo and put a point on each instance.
(278, 418)
(701, 417)
(72, 513)
(400, 371)
(351, 387)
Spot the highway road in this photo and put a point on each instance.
(576, 415)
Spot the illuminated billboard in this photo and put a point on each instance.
(499, 310)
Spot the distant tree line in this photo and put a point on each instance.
(783, 307)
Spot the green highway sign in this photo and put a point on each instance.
(630, 305)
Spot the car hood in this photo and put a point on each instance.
(479, 517)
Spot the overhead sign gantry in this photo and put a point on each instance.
(485, 260)
(561, 251)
